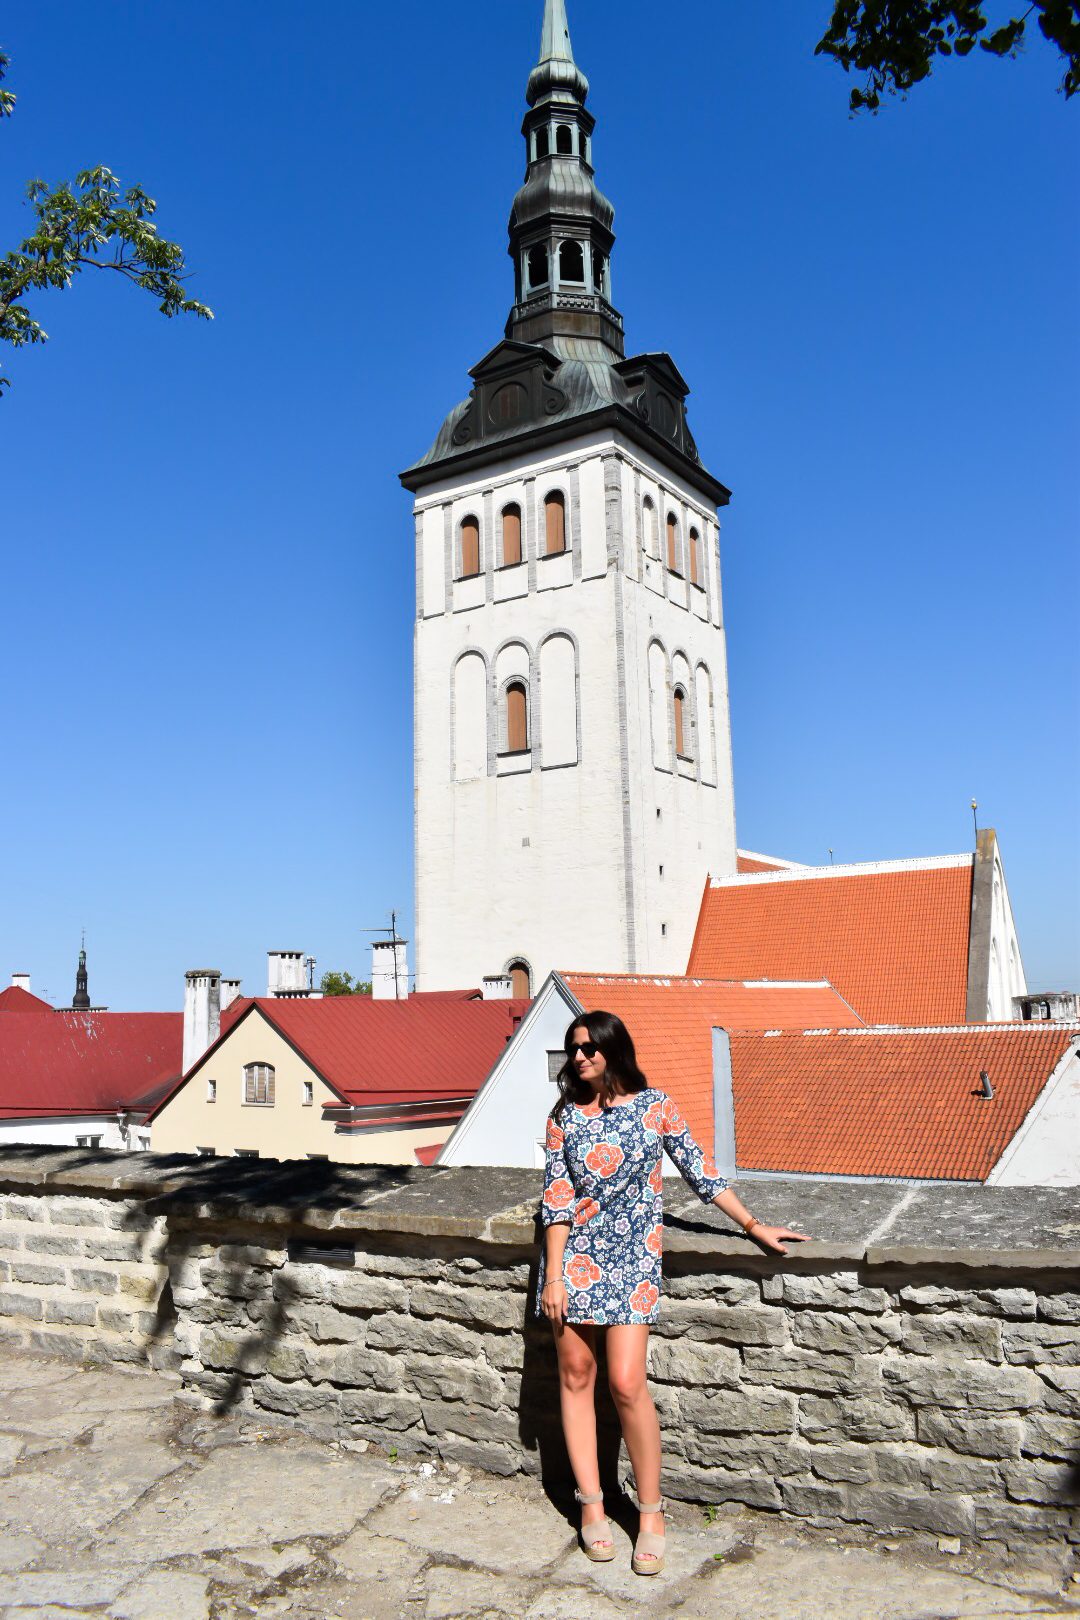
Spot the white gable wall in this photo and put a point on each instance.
(1045, 1152)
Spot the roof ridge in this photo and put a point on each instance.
(915, 863)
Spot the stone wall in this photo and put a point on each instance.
(916, 1367)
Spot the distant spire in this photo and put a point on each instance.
(556, 69)
(80, 1001)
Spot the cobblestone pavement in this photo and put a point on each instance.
(116, 1501)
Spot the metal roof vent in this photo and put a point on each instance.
(986, 1090)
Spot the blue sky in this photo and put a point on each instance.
(205, 643)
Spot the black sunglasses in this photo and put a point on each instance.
(588, 1049)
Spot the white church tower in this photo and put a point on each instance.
(573, 760)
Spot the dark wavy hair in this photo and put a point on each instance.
(613, 1038)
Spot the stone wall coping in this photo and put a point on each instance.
(868, 1225)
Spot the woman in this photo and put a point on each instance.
(602, 1212)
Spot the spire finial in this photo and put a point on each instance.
(556, 69)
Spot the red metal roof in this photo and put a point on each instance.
(85, 1063)
(671, 1022)
(893, 938)
(874, 1102)
(17, 1000)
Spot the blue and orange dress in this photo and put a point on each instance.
(603, 1179)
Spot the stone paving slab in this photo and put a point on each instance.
(144, 1509)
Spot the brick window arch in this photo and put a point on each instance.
(554, 522)
(517, 718)
(470, 546)
(511, 534)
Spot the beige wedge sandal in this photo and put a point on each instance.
(591, 1534)
(648, 1556)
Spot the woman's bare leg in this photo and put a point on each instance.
(626, 1347)
(576, 1349)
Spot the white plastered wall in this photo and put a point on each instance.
(65, 1132)
(1045, 1152)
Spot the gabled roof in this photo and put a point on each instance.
(17, 1000)
(85, 1063)
(420, 1049)
(892, 936)
(749, 860)
(888, 1102)
(671, 1022)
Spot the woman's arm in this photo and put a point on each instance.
(553, 1300)
(769, 1237)
(699, 1172)
(555, 1213)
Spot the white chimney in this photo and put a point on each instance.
(497, 986)
(230, 989)
(389, 970)
(202, 1012)
(21, 981)
(286, 974)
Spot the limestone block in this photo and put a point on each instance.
(484, 1454)
(251, 1254)
(1011, 1302)
(380, 1409)
(718, 1485)
(964, 1476)
(119, 1319)
(950, 1333)
(440, 1377)
(325, 1325)
(43, 1241)
(105, 1350)
(863, 1417)
(978, 1436)
(114, 1246)
(1030, 1344)
(235, 1282)
(288, 1359)
(231, 1351)
(80, 1312)
(355, 1364)
(298, 1400)
(1059, 1308)
(901, 1463)
(37, 1271)
(100, 1212)
(774, 1455)
(481, 1276)
(22, 1305)
(893, 1509)
(1018, 1525)
(1046, 1435)
(353, 1291)
(142, 1285)
(1053, 1482)
(693, 1363)
(94, 1280)
(721, 1289)
(397, 1332)
(475, 1421)
(850, 1464)
(480, 1306)
(806, 1370)
(70, 1346)
(301, 1282)
(1061, 1390)
(837, 1334)
(24, 1209)
(412, 1267)
(504, 1351)
(812, 1500)
(924, 1382)
(841, 1291)
(730, 1324)
(758, 1411)
(206, 1310)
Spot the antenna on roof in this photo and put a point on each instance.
(395, 941)
(975, 817)
(986, 1090)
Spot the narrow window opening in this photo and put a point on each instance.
(511, 535)
(211, 1091)
(695, 557)
(555, 522)
(88, 1141)
(542, 146)
(650, 527)
(308, 1093)
(599, 271)
(564, 140)
(538, 265)
(672, 542)
(572, 263)
(663, 930)
(680, 724)
(661, 871)
(470, 547)
(583, 144)
(521, 983)
(659, 814)
(517, 721)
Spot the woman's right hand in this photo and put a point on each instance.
(553, 1301)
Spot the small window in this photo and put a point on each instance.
(470, 547)
(542, 144)
(599, 271)
(695, 557)
(555, 1062)
(308, 1093)
(672, 542)
(572, 263)
(564, 140)
(663, 930)
(211, 1091)
(206, 1152)
(521, 985)
(88, 1141)
(680, 724)
(536, 264)
(555, 522)
(650, 528)
(661, 869)
(259, 1084)
(511, 535)
(245, 1153)
(517, 718)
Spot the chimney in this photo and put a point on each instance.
(230, 989)
(986, 1090)
(21, 981)
(286, 974)
(202, 1012)
(497, 986)
(389, 970)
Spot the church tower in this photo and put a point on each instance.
(572, 745)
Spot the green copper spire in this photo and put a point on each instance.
(556, 70)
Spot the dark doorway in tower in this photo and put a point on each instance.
(572, 263)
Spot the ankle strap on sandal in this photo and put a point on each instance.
(643, 1507)
(587, 1500)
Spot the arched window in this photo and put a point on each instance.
(470, 547)
(537, 265)
(695, 557)
(259, 1084)
(650, 528)
(572, 263)
(517, 718)
(672, 542)
(520, 980)
(511, 534)
(583, 144)
(542, 141)
(564, 140)
(554, 522)
(681, 728)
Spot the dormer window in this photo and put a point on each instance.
(536, 262)
(564, 140)
(572, 263)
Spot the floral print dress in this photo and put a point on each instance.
(603, 1179)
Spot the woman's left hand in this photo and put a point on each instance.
(771, 1237)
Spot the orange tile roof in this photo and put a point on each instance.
(671, 1022)
(892, 937)
(873, 1102)
(747, 861)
